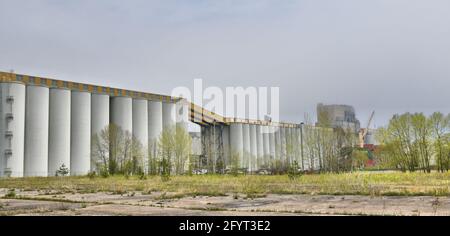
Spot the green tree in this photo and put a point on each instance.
(325, 148)
(411, 141)
(115, 151)
(175, 145)
(62, 171)
(183, 149)
(439, 129)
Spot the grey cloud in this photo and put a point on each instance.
(388, 56)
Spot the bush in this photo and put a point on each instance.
(294, 171)
(277, 167)
(91, 174)
(104, 172)
(11, 193)
(62, 171)
(142, 176)
(235, 159)
(165, 169)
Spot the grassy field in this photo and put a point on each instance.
(358, 183)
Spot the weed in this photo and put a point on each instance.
(142, 176)
(254, 195)
(119, 192)
(11, 193)
(91, 174)
(165, 196)
(293, 171)
(356, 183)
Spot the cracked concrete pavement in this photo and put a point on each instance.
(168, 204)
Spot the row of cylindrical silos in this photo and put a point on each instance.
(256, 146)
(43, 128)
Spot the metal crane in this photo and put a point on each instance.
(363, 132)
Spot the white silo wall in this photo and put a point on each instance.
(12, 102)
(3, 127)
(277, 143)
(272, 142)
(296, 139)
(310, 131)
(155, 126)
(99, 121)
(266, 144)
(260, 146)
(283, 144)
(236, 143)
(182, 114)
(301, 146)
(99, 113)
(80, 139)
(289, 149)
(140, 126)
(246, 137)
(299, 153)
(226, 145)
(288, 145)
(294, 144)
(122, 113)
(36, 130)
(253, 147)
(169, 115)
(59, 130)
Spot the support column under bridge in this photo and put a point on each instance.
(213, 156)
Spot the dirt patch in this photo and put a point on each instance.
(162, 203)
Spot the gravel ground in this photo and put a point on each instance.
(167, 204)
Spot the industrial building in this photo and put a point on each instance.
(46, 123)
(337, 116)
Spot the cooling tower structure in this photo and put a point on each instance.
(46, 124)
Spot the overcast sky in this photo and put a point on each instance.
(387, 55)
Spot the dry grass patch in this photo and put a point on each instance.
(357, 183)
